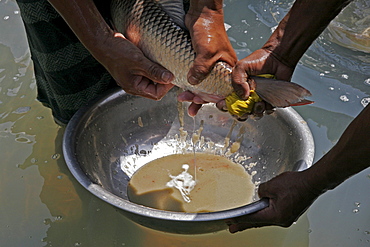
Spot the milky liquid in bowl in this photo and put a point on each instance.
(216, 183)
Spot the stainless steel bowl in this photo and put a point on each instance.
(102, 136)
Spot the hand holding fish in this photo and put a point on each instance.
(210, 43)
(134, 72)
(209, 39)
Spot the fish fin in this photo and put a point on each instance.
(303, 102)
(281, 93)
(175, 10)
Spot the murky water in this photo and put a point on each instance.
(41, 204)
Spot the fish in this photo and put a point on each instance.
(158, 29)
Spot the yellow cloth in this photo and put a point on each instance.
(239, 107)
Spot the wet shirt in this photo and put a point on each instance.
(67, 75)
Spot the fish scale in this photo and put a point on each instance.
(147, 25)
(166, 43)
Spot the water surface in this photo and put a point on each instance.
(41, 204)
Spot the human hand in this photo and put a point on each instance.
(289, 197)
(261, 61)
(209, 40)
(211, 44)
(132, 71)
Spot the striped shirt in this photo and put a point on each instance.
(67, 75)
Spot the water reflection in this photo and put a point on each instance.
(41, 204)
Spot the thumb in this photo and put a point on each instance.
(155, 72)
(200, 69)
(240, 83)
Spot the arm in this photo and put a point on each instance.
(205, 21)
(293, 36)
(123, 60)
(348, 157)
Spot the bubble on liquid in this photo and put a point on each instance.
(344, 98)
(23, 140)
(55, 156)
(6, 17)
(59, 217)
(331, 88)
(242, 44)
(47, 221)
(367, 82)
(21, 110)
(365, 101)
(356, 210)
(357, 204)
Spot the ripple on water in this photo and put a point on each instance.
(367, 82)
(365, 101)
(344, 98)
(23, 109)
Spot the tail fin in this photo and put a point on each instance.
(281, 93)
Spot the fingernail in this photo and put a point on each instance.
(193, 80)
(166, 76)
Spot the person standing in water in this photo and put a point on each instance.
(78, 56)
(290, 193)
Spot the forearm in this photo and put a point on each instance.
(86, 22)
(300, 27)
(349, 156)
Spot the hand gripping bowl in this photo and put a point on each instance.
(102, 136)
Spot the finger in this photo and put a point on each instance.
(239, 81)
(258, 219)
(199, 100)
(234, 228)
(186, 96)
(162, 90)
(269, 109)
(193, 109)
(221, 105)
(154, 72)
(142, 86)
(199, 70)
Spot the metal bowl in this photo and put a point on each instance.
(102, 136)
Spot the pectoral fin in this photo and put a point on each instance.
(281, 93)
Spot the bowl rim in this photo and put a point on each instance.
(82, 115)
